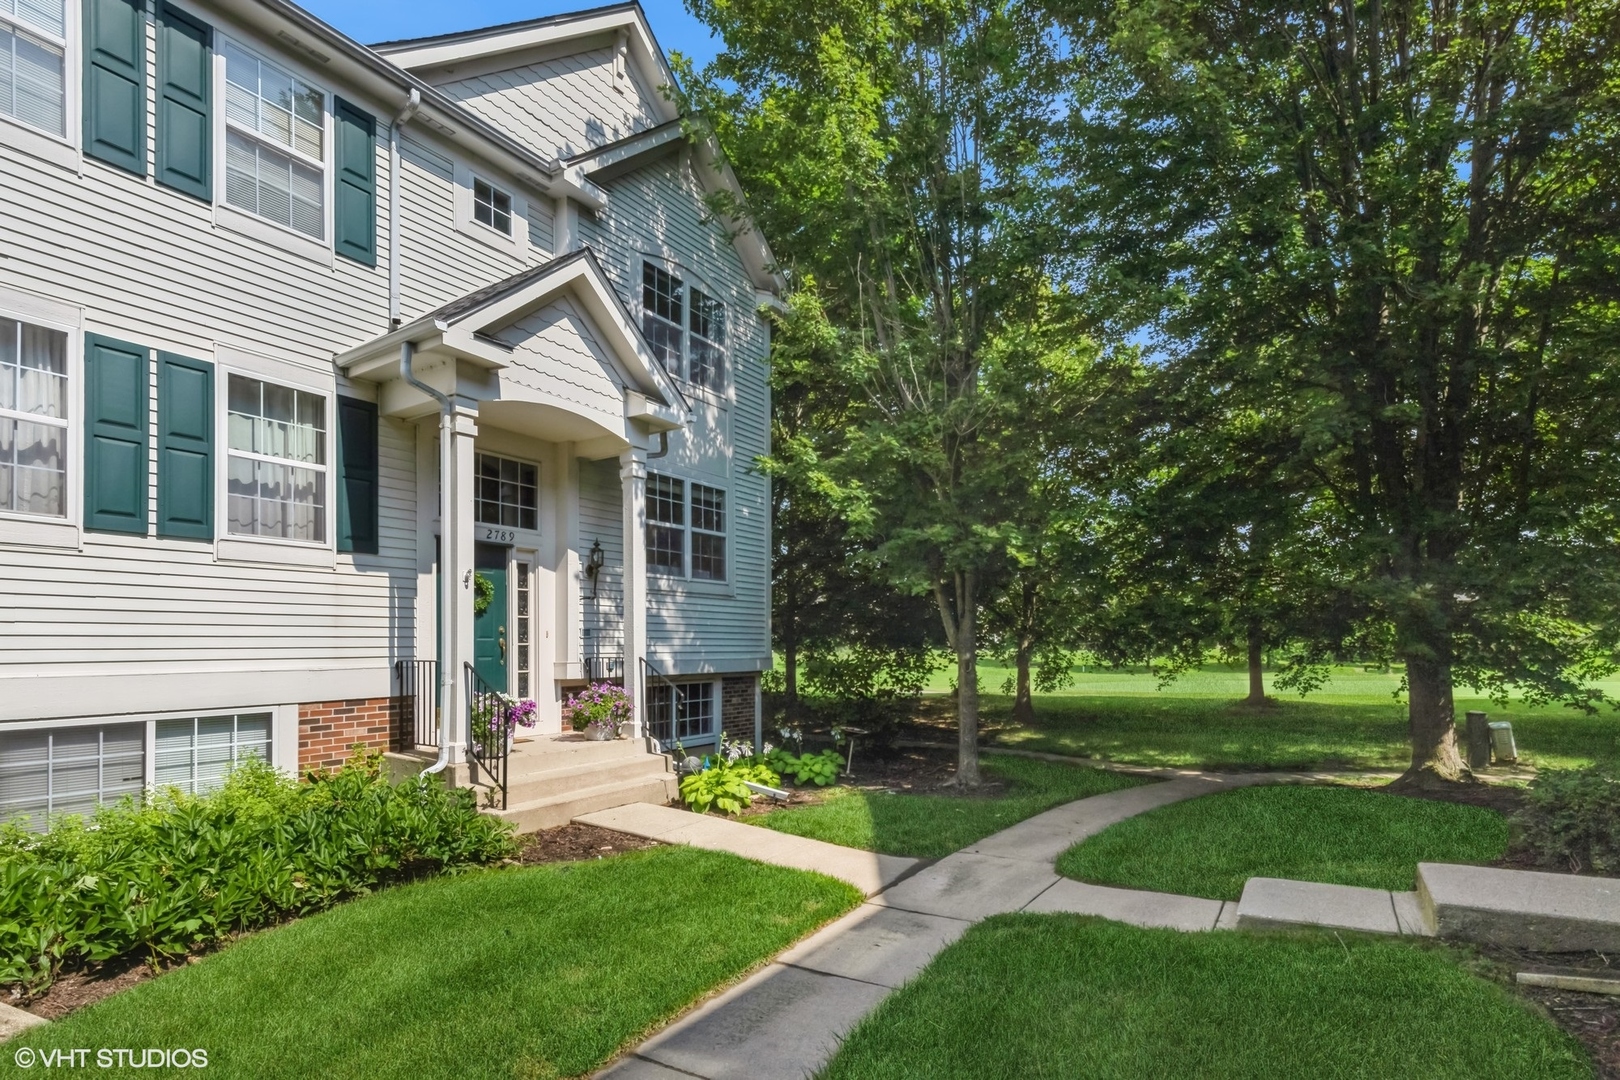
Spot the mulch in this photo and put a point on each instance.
(574, 842)
(1593, 1019)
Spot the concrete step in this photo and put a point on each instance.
(1522, 909)
(554, 810)
(535, 780)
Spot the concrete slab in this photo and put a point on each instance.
(1521, 908)
(867, 871)
(15, 1021)
(1228, 918)
(1274, 903)
(969, 886)
(782, 1024)
(1585, 982)
(876, 944)
(1045, 836)
(635, 1068)
(1409, 915)
(1133, 906)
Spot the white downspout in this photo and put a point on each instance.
(447, 584)
(412, 103)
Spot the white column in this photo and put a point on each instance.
(633, 483)
(457, 540)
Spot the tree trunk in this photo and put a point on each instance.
(1023, 710)
(1436, 760)
(1257, 670)
(790, 678)
(967, 697)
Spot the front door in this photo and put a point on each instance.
(489, 624)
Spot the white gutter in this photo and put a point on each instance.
(412, 104)
(447, 583)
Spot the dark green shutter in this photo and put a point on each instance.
(357, 476)
(115, 83)
(355, 208)
(115, 404)
(184, 78)
(185, 494)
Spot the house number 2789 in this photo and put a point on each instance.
(501, 536)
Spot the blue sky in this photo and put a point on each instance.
(384, 20)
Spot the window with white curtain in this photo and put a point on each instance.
(195, 754)
(33, 419)
(33, 63)
(275, 143)
(276, 441)
(50, 772)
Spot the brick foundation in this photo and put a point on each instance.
(329, 730)
(737, 707)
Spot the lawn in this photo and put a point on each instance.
(931, 826)
(535, 973)
(1066, 996)
(1340, 835)
(1354, 722)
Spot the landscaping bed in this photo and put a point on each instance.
(925, 822)
(1210, 846)
(1060, 995)
(536, 972)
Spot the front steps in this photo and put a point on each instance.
(552, 779)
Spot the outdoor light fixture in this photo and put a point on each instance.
(593, 565)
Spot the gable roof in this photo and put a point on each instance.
(463, 324)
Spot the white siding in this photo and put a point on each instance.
(560, 107)
(601, 520)
(556, 355)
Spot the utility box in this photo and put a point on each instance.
(1502, 745)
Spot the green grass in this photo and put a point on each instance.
(931, 826)
(1211, 845)
(536, 973)
(1058, 996)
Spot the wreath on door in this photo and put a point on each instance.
(483, 593)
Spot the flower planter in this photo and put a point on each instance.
(598, 733)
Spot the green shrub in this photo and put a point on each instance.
(818, 769)
(180, 871)
(1572, 817)
(723, 783)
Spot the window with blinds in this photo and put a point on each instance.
(33, 68)
(49, 773)
(195, 755)
(275, 143)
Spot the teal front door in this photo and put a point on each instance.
(489, 625)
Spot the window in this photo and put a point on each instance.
(707, 363)
(523, 627)
(708, 533)
(685, 326)
(33, 419)
(45, 774)
(33, 66)
(195, 754)
(668, 516)
(492, 207)
(666, 521)
(275, 144)
(681, 712)
(508, 492)
(277, 471)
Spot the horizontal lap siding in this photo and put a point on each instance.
(659, 209)
(554, 352)
(601, 519)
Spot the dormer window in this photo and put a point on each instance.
(492, 206)
(685, 327)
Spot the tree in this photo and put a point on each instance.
(1399, 220)
(889, 150)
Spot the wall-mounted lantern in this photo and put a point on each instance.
(593, 565)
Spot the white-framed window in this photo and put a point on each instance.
(194, 754)
(684, 326)
(522, 570)
(34, 442)
(277, 465)
(684, 712)
(275, 143)
(33, 64)
(492, 207)
(46, 773)
(508, 492)
(686, 528)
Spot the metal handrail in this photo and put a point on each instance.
(603, 668)
(649, 671)
(489, 729)
(419, 681)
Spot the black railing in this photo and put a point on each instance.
(660, 701)
(418, 682)
(603, 669)
(489, 729)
